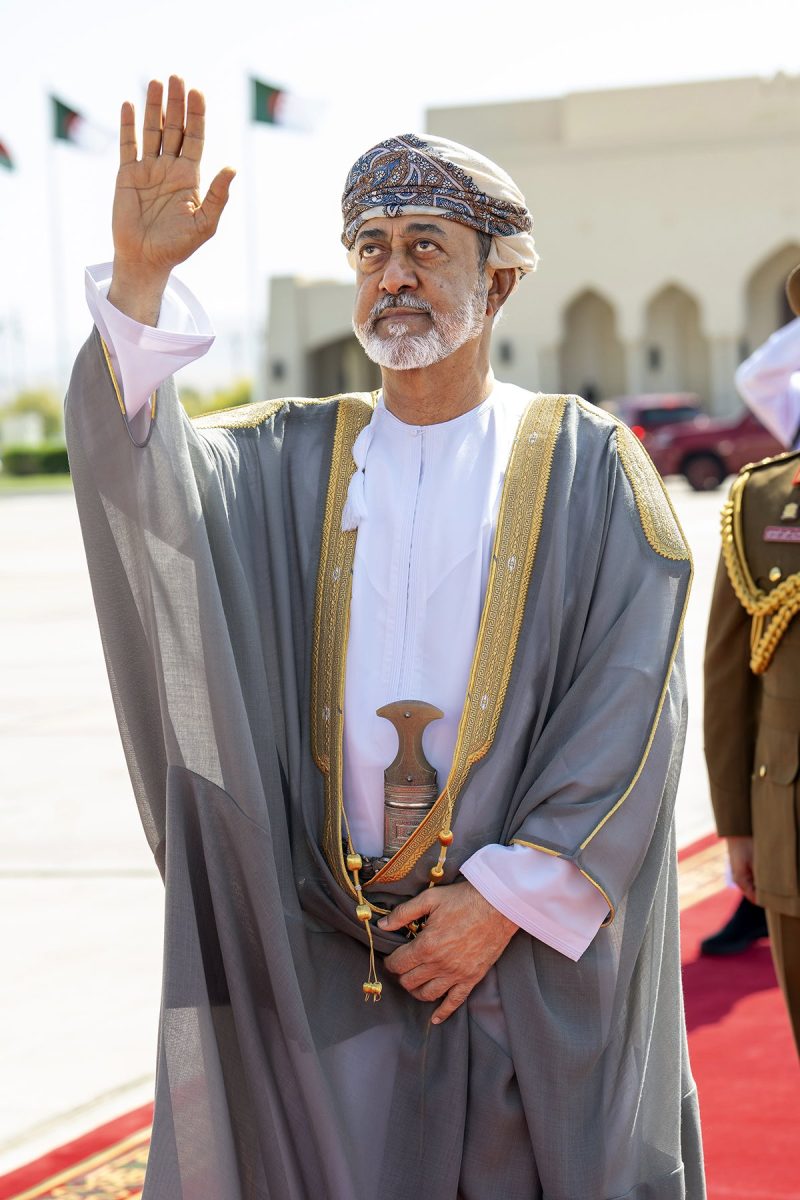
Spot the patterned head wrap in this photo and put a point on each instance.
(410, 175)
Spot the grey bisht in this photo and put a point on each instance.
(559, 1080)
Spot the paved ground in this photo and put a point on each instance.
(80, 902)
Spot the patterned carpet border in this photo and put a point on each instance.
(109, 1163)
(106, 1164)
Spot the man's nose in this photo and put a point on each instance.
(398, 276)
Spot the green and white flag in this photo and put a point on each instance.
(273, 105)
(71, 126)
(267, 102)
(5, 158)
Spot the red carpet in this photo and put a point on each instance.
(742, 1055)
(744, 1062)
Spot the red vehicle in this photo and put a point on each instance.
(647, 413)
(707, 449)
(683, 440)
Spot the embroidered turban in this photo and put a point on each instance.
(409, 175)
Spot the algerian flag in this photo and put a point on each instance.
(275, 106)
(5, 158)
(71, 126)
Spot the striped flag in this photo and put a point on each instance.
(71, 126)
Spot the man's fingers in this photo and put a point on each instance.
(217, 197)
(153, 120)
(746, 886)
(195, 129)
(416, 977)
(128, 149)
(405, 958)
(172, 136)
(453, 1000)
(410, 910)
(434, 989)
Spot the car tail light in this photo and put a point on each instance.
(639, 430)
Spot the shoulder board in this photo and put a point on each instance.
(773, 460)
(249, 416)
(657, 516)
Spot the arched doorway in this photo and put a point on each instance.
(676, 352)
(341, 366)
(591, 358)
(766, 307)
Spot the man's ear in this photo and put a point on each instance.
(501, 285)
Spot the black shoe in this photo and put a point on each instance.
(746, 926)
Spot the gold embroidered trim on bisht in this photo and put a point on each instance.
(116, 386)
(772, 611)
(248, 416)
(513, 553)
(659, 522)
(114, 383)
(331, 627)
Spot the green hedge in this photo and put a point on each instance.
(49, 459)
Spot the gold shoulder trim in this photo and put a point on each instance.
(331, 627)
(244, 416)
(248, 416)
(772, 611)
(659, 521)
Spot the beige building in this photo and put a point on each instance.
(667, 219)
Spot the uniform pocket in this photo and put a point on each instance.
(775, 802)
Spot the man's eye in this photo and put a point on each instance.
(367, 251)
(425, 245)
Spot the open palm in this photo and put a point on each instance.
(159, 218)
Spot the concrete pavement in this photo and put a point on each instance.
(80, 901)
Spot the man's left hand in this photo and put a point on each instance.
(463, 936)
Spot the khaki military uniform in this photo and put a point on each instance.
(752, 696)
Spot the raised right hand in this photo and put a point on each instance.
(159, 219)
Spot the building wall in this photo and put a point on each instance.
(666, 218)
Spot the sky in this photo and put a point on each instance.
(368, 71)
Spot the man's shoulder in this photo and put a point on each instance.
(260, 412)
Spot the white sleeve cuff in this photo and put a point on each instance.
(769, 383)
(545, 895)
(143, 356)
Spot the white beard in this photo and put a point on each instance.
(399, 349)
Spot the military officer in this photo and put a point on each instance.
(752, 701)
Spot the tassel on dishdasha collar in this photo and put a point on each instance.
(355, 507)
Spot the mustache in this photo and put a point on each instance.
(399, 302)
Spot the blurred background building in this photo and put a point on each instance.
(667, 219)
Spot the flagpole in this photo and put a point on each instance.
(57, 264)
(253, 321)
(6, 333)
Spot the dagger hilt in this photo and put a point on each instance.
(410, 785)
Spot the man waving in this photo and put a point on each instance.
(399, 682)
